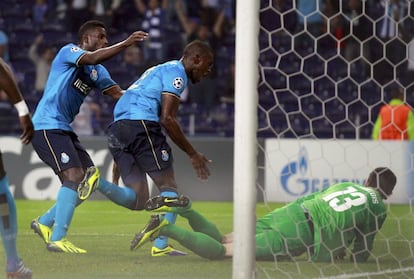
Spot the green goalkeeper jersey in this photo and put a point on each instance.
(343, 214)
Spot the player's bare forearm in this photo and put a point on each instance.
(103, 54)
(176, 134)
(9, 85)
(198, 160)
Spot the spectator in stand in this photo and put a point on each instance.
(198, 27)
(279, 16)
(310, 24)
(203, 93)
(104, 10)
(86, 122)
(309, 12)
(77, 13)
(228, 93)
(228, 5)
(392, 12)
(152, 23)
(42, 63)
(39, 13)
(407, 30)
(395, 120)
(359, 28)
(133, 61)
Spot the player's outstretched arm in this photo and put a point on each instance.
(103, 54)
(9, 85)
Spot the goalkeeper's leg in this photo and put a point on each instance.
(197, 221)
(200, 224)
(200, 243)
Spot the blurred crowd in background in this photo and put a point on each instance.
(331, 49)
(32, 31)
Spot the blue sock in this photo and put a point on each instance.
(48, 218)
(65, 207)
(123, 196)
(8, 221)
(162, 241)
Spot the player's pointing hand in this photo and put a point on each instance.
(137, 36)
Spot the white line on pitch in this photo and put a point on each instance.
(368, 274)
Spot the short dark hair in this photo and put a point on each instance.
(197, 47)
(383, 180)
(87, 26)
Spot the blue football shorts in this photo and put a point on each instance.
(139, 147)
(60, 150)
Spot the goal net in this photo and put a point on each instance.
(325, 69)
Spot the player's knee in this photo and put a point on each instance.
(70, 184)
(75, 175)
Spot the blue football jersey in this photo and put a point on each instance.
(142, 100)
(67, 86)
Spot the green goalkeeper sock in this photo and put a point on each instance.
(200, 224)
(201, 244)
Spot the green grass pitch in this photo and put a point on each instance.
(105, 230)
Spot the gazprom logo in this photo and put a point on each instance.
(296, 180)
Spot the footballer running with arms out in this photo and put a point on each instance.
(323, 224)
(75, 70)
(136, 138)
(15, 268)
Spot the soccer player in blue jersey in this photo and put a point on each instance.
(323, 225)
(136, 139)
(74, 72)
(8, 222)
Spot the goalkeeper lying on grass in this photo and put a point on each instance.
(323, 224)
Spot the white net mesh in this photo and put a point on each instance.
(324, 73)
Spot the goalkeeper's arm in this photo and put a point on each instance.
(362, 246)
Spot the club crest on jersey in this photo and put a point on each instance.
(75, 49)
(178, 83)
(64, 158)
(93, 75)
(164, 155)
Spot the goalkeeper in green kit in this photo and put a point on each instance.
(326, 225)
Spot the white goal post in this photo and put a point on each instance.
(245, 143)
